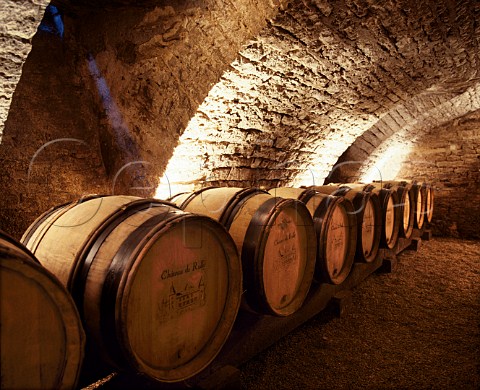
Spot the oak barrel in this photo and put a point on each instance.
(157, 288)
(179, 198)
(391, 215)
(275, 237)
(42, 339)
(368, 216)
(420, 201)
(405, 204)
(429, 201)
(336, 231)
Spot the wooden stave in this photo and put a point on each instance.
(256, 298)
(52, 215)
(177, 199)
(37, 230)
(302, 194)
(385, 195)
(18, 259)
(358, 198)
(205, 202)
(323, 274)
(254, 249)
(187, 197)
(423, 214)
(404, 194)
(115, 352)
(19, 247)
(328, 189)
(429, 201)
(403, 190)
(250, 242)
(423, 222)
(419, 197)
(321, 216)
(225, 213)
(51, 223)
(214, 344)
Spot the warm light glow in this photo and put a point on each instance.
(183, 170)
(310, 177)
(204, 140)
(166, 190)
(326, 155)
(387, 162)
(221, 135)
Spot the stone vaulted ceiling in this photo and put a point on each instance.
(323, 75)
(250, 92)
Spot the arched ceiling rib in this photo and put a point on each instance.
(118, 77)
(160, 63)
(386, 161)
(394, 135)
(321, 74)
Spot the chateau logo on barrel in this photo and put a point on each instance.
(186, 291)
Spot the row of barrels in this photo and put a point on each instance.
(155, 286)
(351, 221)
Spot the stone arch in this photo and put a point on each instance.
(300, 81)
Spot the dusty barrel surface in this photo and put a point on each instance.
(42, 338)
(275, 237)
(405, 203)
(336, 231)
(157, 288)
(368, 214)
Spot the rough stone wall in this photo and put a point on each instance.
(438, 149)
(50, 151)
(100, 108)
(18, 23)
(405, 140)
(321, 74)
(449, 157)
(159, 65)
(127, 79)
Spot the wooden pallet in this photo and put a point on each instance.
(418, 236)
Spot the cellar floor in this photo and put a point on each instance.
(416, 328)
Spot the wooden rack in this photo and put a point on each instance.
(253, 333)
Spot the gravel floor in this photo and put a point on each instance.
(416, 328)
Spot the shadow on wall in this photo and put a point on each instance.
(145, 62)
(58, 143)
